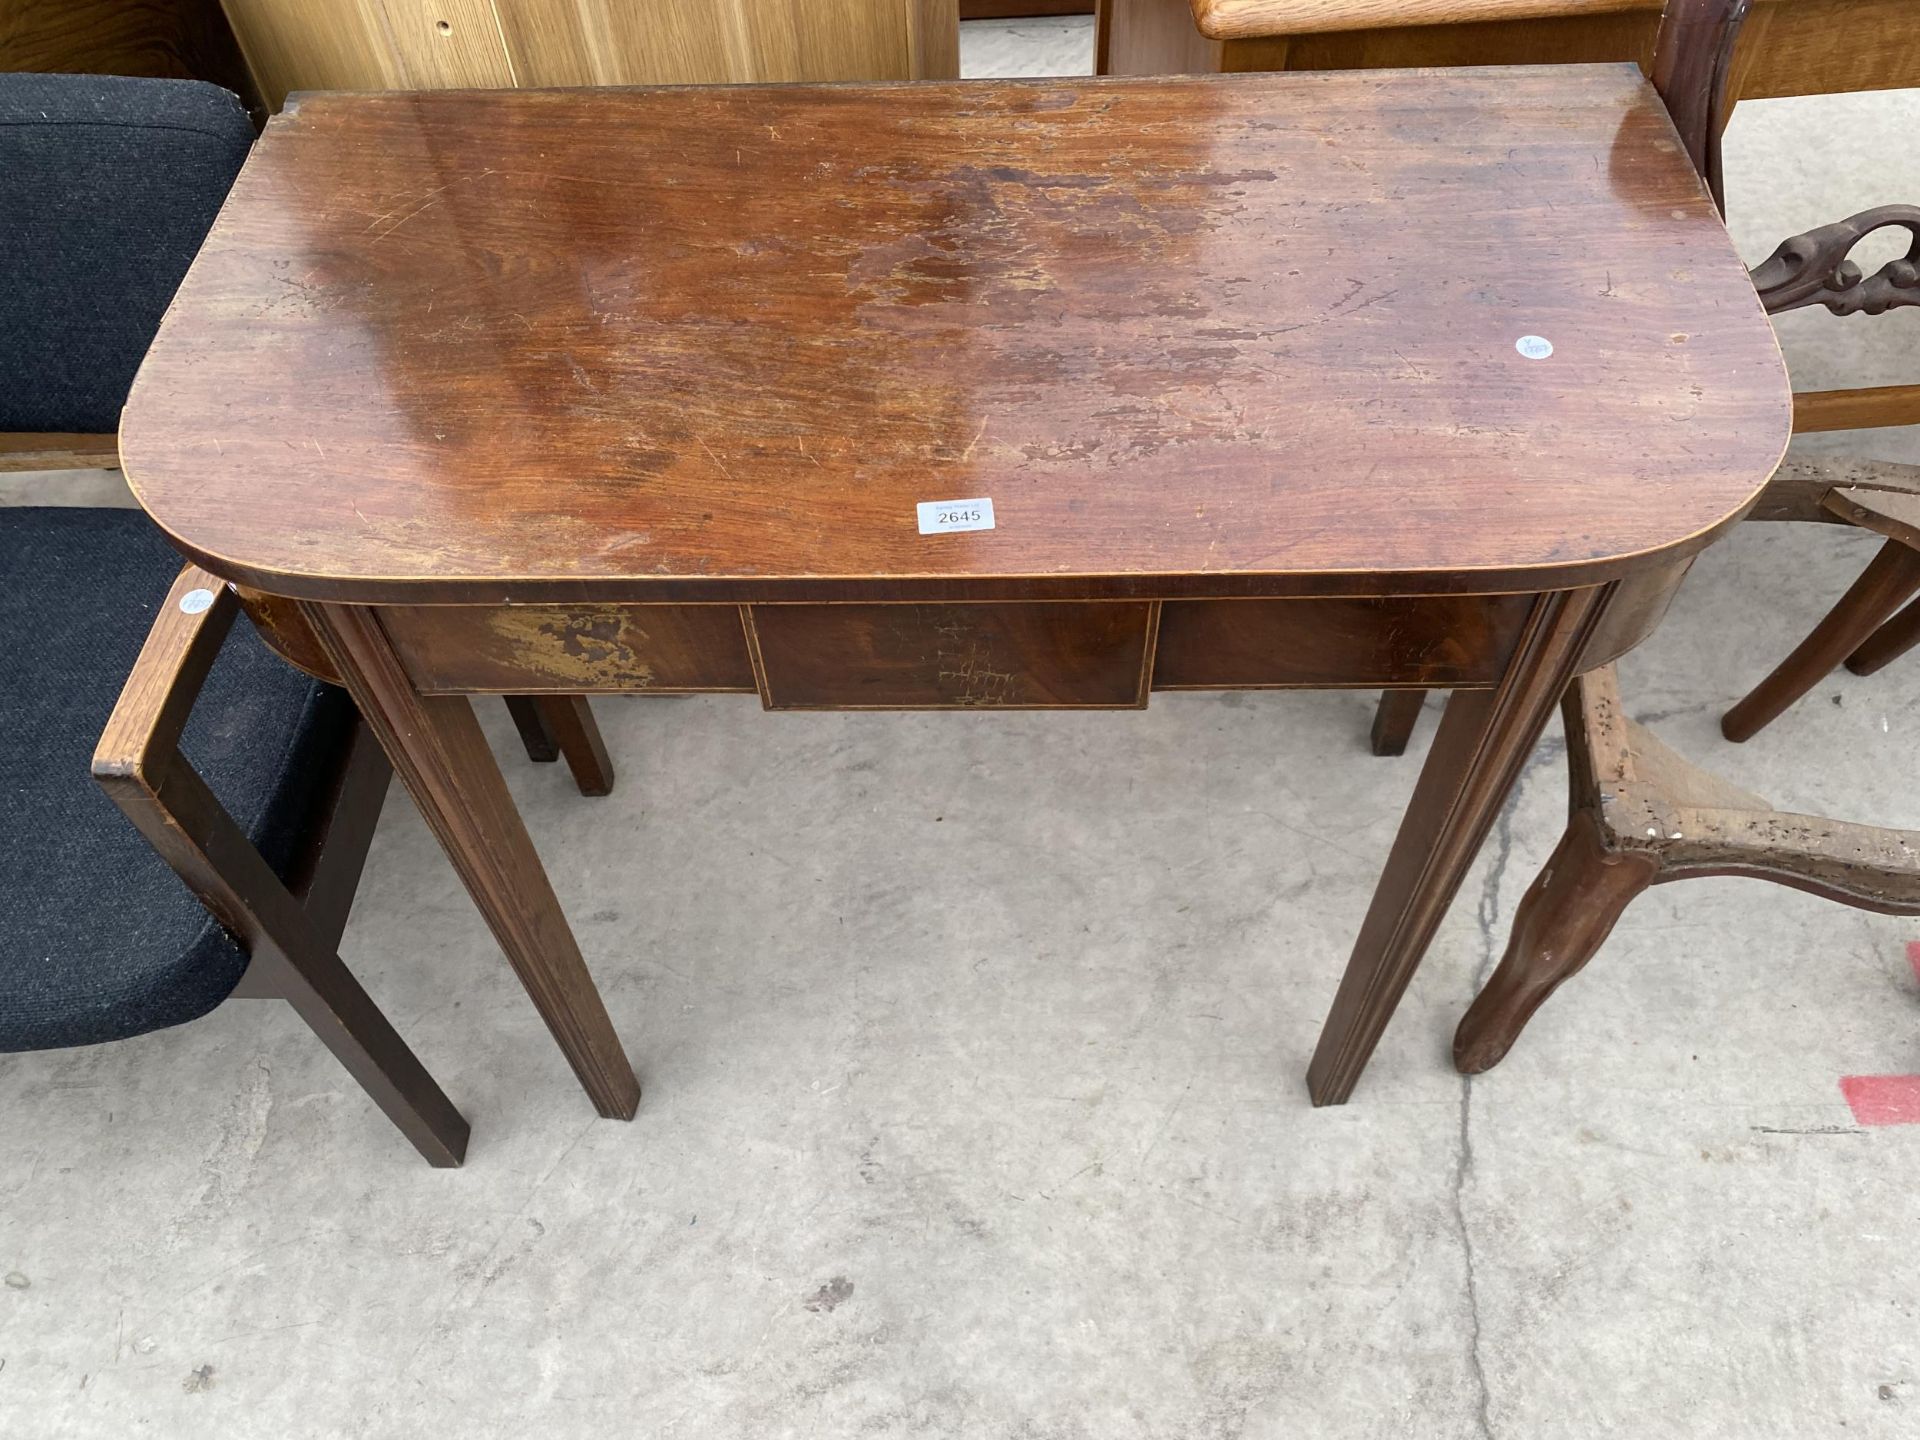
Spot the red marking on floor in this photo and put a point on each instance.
(1883, 1099)
(1913, 957)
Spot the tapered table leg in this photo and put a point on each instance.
(442, 757)
(1484, 739)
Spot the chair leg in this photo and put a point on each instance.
(525, 710)
(570, 721)
(139, 765)
(1565, 916)
(1882, 587)
(291, 959)
(554, 725)
(325, 994)
(1393, 722)
(1888, 643)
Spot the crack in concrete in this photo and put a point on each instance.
(1487, 913)
(1484, 1405)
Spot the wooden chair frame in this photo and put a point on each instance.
(1693, 55)
(290, 931)
(550, 726)
(1640, 815)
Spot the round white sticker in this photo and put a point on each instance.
(195, 601)
(1534, 347)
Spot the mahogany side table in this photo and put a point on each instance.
(987, 395)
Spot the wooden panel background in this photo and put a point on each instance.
(447, 44)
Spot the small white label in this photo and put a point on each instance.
(195, 601)
(943, 517)
(1534, 347)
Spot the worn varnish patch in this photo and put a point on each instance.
(571, 649)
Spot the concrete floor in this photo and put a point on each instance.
(973, 1051)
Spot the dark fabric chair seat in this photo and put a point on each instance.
(107, 187)
(99, 939)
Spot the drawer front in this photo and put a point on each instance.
(1081, 655)
(571, 649)
(1445, 641)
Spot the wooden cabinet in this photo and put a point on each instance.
(454, 44)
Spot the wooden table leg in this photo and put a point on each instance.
(1484, 739)
(442, 757)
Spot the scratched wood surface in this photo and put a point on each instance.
(1209, 336)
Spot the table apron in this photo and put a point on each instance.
(1092, 654)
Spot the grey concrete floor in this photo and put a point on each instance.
(973, 1050)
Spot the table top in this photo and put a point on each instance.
(1191, 336)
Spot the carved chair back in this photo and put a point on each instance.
(1692, 56)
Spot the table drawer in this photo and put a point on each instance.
(1446, 641)
(1081, 655)
(571, 649)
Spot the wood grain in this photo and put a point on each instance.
(1642, 815)
(456, 44)
(1888, 643)
(1394, 720)
(569, 719)
(1234, 19)
(442, 757)
(976, 657)
(537, 739)
(1562, 919)
(1892, 511)
(571, 649)
(40, 450)
(1156, 37)
(1821, 47)
(933, 41)
(1815, 411)
(1484, 738)
(1443, 641)
(1882, 588)
(290, 945)
(1790, 47)
(444, 343)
